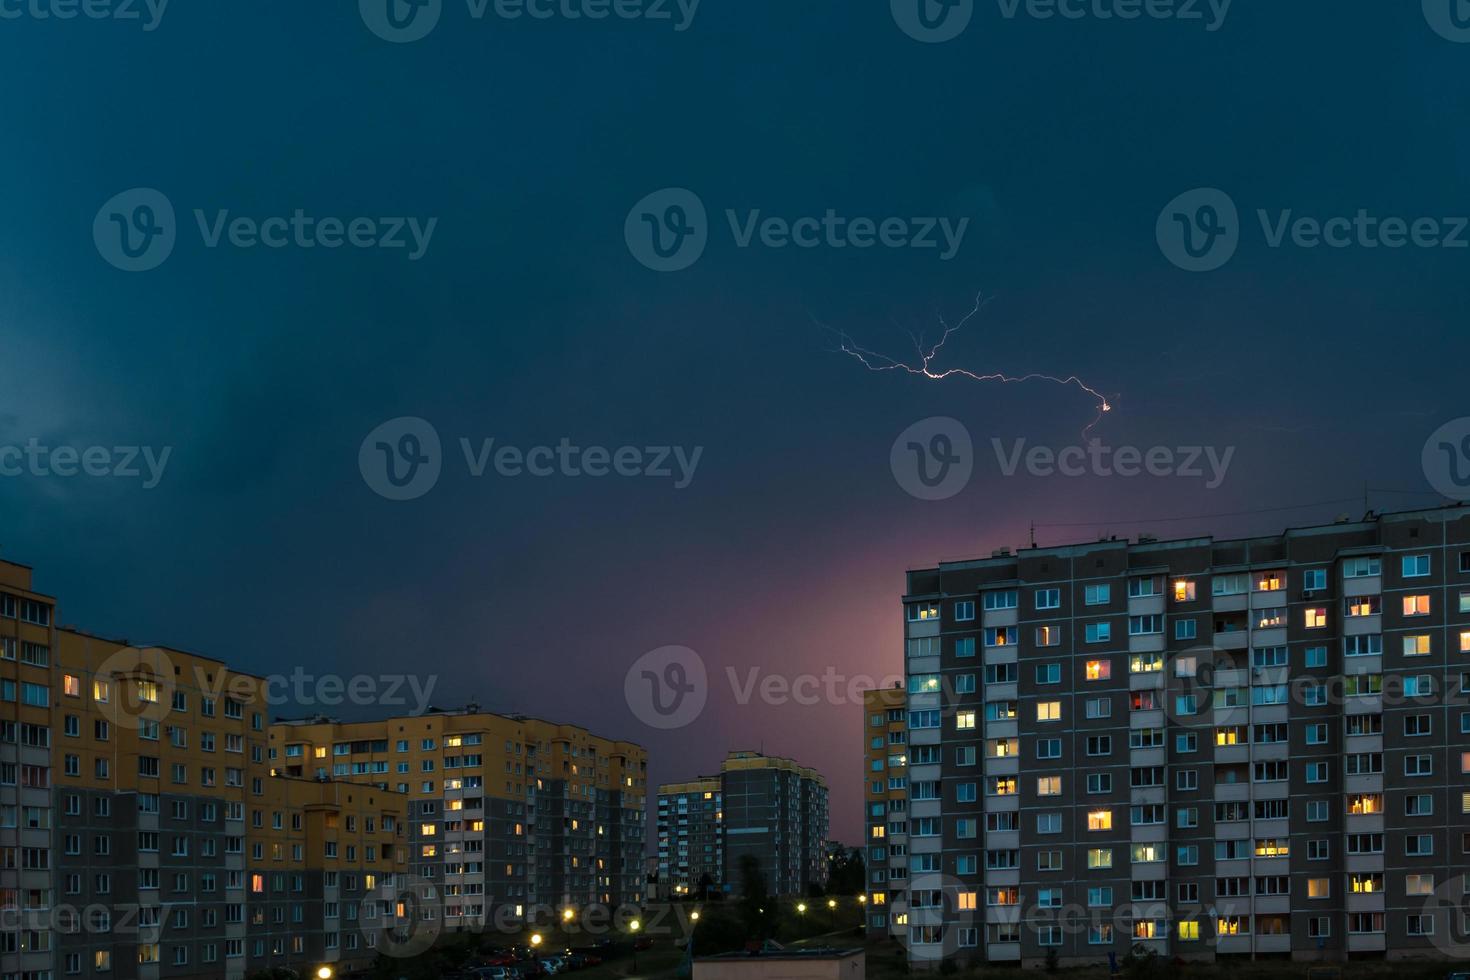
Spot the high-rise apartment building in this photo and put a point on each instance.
(27, 639)
(142, 833)
(1213, 748)
(507, 815)
(691, 836)
(886, 820)
(771, 809)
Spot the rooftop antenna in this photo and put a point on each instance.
(1033, 534)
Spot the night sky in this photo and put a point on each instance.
(528, 320)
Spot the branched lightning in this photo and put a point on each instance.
(875, 361)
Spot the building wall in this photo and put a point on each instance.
(885, 801)
(149, 837)
(27, 651)
(776, 812)
(506, 813)
(1206, 769)
(691, 835)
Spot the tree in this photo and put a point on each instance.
(757, 909)
(846, 872)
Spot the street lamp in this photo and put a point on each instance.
(324, 973)
(535, 939)
(694, 916)
(801, 907)
(567, 915)
(633, 928)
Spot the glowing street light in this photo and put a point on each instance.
(567, 915)
(694, 916)
(831, 903)
(536, 939)
(324, 973)
(801, 907)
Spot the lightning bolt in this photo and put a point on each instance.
(875, 361)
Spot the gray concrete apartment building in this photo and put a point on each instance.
(1213, 748)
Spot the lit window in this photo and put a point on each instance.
(1048, 710)
(1316, 618)
(71, 685)
(1189, 929)
(1184, 590)
(1101, 670)
(1416, 605)
(1319, 887)
(1099, 857)
(1100, 820)
(1416, 645)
